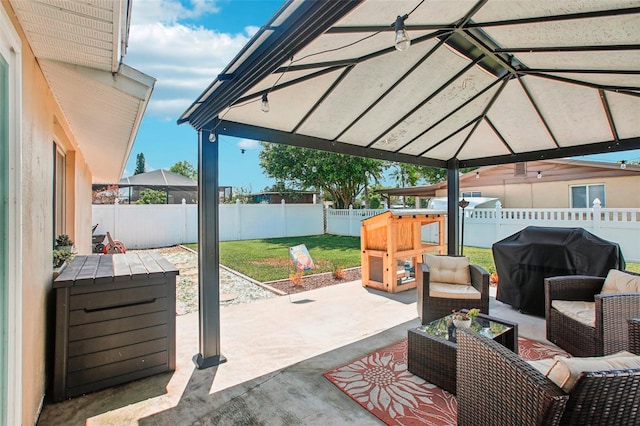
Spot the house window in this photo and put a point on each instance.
(470, 194)
(59, 199)
(583, 196)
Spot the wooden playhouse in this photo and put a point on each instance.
(392, 247)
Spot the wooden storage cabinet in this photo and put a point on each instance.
(390, 239)
(115, 321)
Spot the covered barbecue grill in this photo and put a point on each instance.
(524, 259)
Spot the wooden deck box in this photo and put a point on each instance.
(391, 239)
(115, 321)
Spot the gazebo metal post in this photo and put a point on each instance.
(453, 189)
(208, 253)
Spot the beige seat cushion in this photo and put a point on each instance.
(448, 269)
(620, 282)
(565, 371)
(453, 291)
(584, 312)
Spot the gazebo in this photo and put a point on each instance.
(435, 83)
(176, 186)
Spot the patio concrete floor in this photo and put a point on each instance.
(277, 351)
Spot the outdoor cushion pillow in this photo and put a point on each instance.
(584, 312)
(448, 269)
(620, 282)
(565, 371)
(453, 291)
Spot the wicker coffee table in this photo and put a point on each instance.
(432, 347)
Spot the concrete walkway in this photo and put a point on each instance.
(277, 350)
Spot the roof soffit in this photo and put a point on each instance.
(79, 46)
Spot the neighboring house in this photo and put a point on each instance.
(289, 197)
(176, 186)
(69, 113)
(559, 183)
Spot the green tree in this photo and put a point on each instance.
(140, 166)
(185, 168)
(152, 196)
(434, 175)
(241, 194)
(341, 176)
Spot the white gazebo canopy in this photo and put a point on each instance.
(484, 82)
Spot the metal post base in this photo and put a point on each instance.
(202, 363)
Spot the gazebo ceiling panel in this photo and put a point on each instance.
(621, 60)
(384, 12)
(441, 106)
(361, 88)
(278, 80)
(451, 147)
(517, 120)
(624, 81)
(407, 95)
(282, 114)
(626, 114)
(347, 47)
(560, 60)
(491, 144)
(520, 9)
(573, 112)
(615, 30)
(468, 113)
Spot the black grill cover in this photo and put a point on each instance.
(524, 259)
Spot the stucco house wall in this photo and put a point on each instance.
(42, 124)
(620, 192)
(54, 154)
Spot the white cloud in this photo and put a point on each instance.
(169, 11)
(248, 144)
(184, 59)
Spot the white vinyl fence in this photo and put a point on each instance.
(483, 227)
(160, 225)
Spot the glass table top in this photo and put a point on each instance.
(445, 329)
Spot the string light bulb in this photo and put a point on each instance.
(477, 175)
(623, 164)
(402, 38)
(265, 103)
(539, 175)
(212, 137)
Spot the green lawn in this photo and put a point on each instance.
(268, 259)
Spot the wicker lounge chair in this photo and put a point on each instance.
(609, 333)
(495, 386)
(431, 308)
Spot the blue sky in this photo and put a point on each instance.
(185, 45)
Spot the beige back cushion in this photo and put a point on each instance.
(565, 371)
(448, 269)
(621, 282)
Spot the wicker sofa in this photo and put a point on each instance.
(431, 307)
(497, 387)
(612, 310)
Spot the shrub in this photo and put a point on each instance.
(296, 278)
(339, 273)
(63, 240)
(62, 255)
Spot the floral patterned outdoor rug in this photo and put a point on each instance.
(381, 384)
